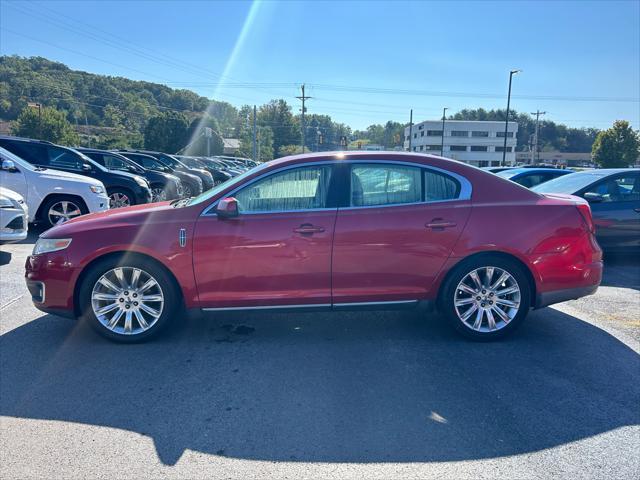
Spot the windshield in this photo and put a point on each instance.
(509, 173)
(203, 197)
(567, 183)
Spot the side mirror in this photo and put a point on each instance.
(86, 167)
(227, 208)
(9, 166)
(593, 197)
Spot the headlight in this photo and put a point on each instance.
(141, 181)
(96, 189)
(6, 202)
(46, 245)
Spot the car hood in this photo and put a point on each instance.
(126, 216)
(5, 192)
(60, 176)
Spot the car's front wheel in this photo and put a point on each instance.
(128, 301)
(119, 198)
(486, 297)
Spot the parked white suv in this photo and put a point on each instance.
(53, 196)
(13, 216)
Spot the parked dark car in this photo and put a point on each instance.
(530, 177)
(233, 171)
(614, 196)
(164, 186)
(124, 189)
(171, 161)
(191, 184)
(219, 175)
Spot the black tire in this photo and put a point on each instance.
(172, 298)
(122, 192)
(450, 288)
(46, 219)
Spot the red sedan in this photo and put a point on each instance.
(325, 231)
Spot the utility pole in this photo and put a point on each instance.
(410, 127)
(258, 140)
(444, 111)
(303, 97)
(255, 150)
(536, 150)
(39, 107)
(506, 120)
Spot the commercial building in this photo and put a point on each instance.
(478, 143)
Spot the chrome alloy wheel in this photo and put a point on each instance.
(62, 211)
(118, 200)
(127, 300)
(158, 194)
(487, 299)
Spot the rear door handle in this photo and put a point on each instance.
(636, 210)
(308, 229)
(439, 224)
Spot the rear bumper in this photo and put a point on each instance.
(545, 299)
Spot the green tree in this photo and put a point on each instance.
(278, 116)
(49, 124)
(617, 147)
(166, 132)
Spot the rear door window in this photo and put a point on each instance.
(625, 188)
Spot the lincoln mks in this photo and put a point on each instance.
(329, 231)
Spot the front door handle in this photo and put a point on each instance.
(636, 210)
(440, 224)
(308, 229)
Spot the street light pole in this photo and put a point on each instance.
(506, 120)
(444, 111)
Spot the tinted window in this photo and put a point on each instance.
(114, 163)
(385, 185)
(620, 189)
(33, 153)
(96, 157)
(531, 180)
(65, 159)
(438, 187)
(570, 183)
(296, 189)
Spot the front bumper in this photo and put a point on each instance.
(49, 279)
(97, 203)
(13, 224)
(143, 195)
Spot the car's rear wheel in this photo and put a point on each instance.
(60, 209)
(128, 301)
(486, 297)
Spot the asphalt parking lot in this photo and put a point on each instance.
(341, 395)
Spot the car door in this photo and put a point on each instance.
(398, 229)
(277, 251)
(616, 211)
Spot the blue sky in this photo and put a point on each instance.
(364, 62)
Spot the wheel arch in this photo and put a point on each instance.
(61, 196)
(115, 256)
(488, 253)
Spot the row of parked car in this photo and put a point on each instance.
(49, 184)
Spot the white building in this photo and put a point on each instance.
(479, 143)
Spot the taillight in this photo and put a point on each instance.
(585, 211)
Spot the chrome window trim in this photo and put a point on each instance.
(465, 185)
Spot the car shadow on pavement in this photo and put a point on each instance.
(349, 387)
(5, 257)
